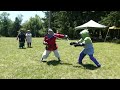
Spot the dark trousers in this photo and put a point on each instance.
(21, 44)
(29, 44)
(82, 55)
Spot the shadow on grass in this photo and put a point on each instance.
(53, 62)
(29, 47)
(89, 66)
(44, 61)
(56, 62)
(86, 66)
(77, 66)
(21, 48)
(62, 63)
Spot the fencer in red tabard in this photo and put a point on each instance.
(50, 42)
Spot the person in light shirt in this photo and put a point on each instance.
(86, 42)
(29, 38)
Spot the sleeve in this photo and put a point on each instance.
(59, 35)
(87, 40)
(18, 36)
(24, 36)
(80, 41)
(44, 39)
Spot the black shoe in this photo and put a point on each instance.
(98, 65)
(59, 59)
(80, 63)
(41, 60)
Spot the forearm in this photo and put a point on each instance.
(17, 38)
(45, 43)
(59, 35)
(80, 41)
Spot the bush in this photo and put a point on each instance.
(42, 33)
(118, 41)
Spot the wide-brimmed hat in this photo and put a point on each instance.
(50, 30)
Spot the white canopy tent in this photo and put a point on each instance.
(114, 27)
(111, 28)
(90, 24)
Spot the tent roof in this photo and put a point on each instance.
(114, 27)
(91, 24)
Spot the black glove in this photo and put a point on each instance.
(73, 43)
(79, 44)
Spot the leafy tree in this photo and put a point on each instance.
(112, 19)
(16, 26)
(65, 21)
(34, 24)
(5, 24)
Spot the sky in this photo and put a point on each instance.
(26, 14)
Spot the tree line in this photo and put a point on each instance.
(61, 21)
(9, 28)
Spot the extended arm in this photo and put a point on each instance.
(60, 35)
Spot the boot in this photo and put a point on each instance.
(59, 59)
(98, 65)
(41, 59)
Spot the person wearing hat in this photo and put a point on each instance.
(50, 42)
(28, 38)
(88, 47)
(21, 36)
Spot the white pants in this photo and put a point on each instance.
(46, 54)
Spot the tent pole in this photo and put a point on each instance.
(49, 25)
(106, 35)
(118, 33)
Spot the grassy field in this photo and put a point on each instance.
(18, 63)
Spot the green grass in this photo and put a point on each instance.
(24, 63)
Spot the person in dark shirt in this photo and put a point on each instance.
(21, 36)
